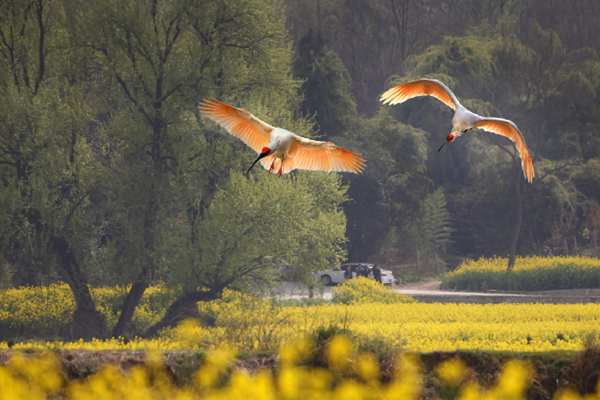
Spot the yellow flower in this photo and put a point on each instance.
(340, 350)
(514, 379)
(451, 371)
(289, 382)
(368, 366)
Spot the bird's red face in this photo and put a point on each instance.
(263, 153)
(449, 138)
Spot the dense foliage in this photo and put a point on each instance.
(533, 62)
(535, 273)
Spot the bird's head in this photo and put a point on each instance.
(449, 138)
(263, 153)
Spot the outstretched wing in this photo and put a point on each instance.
(323, 156)
(507, 128)
(239, 122)
(421, 87)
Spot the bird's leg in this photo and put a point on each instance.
(280, 167)
(272, 165)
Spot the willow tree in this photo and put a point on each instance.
(158, 59)
(47, 168)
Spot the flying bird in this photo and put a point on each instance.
(463, 120)
(279, 149)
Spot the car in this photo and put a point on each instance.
(338, 274)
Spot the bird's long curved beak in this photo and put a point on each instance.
(440, 149)
(261, 155)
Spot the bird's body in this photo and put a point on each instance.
(280, 142)
(463, 120)
(279, 149)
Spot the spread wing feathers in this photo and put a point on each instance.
(507, 128)
(288, 164)
(239, 122)
(323, 156)
(421, 87)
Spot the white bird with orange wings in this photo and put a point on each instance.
(278, 148)
(463, 120)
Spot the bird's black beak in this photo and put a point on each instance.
(438, 152)
(261, 155)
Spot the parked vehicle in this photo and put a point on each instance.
(337, 275)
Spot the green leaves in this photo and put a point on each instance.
(326, 86)
(249, 218)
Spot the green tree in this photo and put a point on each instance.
(164, 56)
(371, 37)
(326, 87)
(429, 235)
(48, 169)
(249, 223)
(387, 196)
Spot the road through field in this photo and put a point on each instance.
(428, 292)
(295, 290)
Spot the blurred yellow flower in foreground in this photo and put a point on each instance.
(452, 371)
(340, 351)
(40, 377)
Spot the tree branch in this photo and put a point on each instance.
(41, 55)
(133, 100)
(555, 169)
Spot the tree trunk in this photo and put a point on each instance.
(512, 252)
(184, 307)
(565, 246)
(129, 305)
(575, 248)
(595, 243)
(88, 323)
(139, 287)
(319, 16)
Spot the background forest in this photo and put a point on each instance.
(110, 176)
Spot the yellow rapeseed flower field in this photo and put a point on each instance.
(529, 273)
(251, 323)
(498, 264)
(45, 311)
